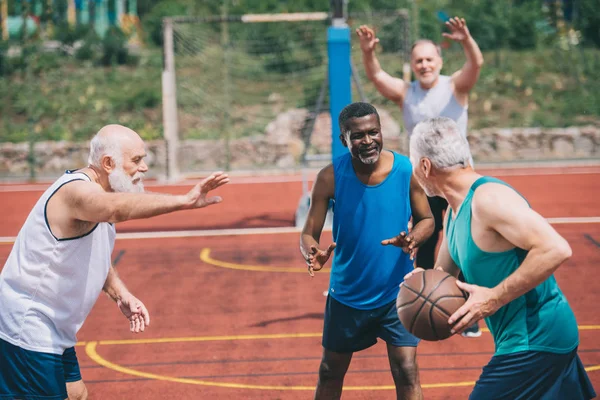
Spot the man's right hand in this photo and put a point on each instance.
(367, 38)
(317, 258)
(196, 198)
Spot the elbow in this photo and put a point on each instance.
(564, 251)
(559, 254)
(479, 59)
(479, 62)
(115, 215)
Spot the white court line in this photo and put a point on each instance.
(271, 231)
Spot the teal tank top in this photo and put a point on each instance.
(540, 320)
(364, 273)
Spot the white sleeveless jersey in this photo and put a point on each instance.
(439, 101)
(48, 286)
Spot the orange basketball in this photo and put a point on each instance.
(425, 302)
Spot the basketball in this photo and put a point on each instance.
(425, 302)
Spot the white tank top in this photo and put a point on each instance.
(48, 286)
(439, 101)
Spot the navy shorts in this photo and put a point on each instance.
(347, 329)
(534, 375)
(31, 375)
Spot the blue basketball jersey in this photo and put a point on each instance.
(365, 274)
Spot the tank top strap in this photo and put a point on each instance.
(490, 179)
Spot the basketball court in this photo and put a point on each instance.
(234, 315)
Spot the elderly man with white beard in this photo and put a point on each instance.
(61, 261)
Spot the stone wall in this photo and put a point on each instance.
(281, 148)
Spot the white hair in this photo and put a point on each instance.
(105, 145)
(440, 140)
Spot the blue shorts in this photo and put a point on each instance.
(534, 375)
(347, 329)
(31, 375)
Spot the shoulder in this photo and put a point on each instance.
(325, 175)
(402, 161)
(494, 200)
(324, 185)
(79, 189)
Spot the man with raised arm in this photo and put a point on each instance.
(508, 254)
(61, 261)
(430, 95)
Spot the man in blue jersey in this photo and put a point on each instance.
(374, 197)
(431, 94)
(507, 253)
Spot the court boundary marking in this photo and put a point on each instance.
(575, 167)
(206, 258)
(271, 230)
(91, 351)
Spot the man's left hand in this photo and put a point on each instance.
(458, 29)
(482, 302)
(135, 311)
(404, 240)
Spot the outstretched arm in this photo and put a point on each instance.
(133, 309)
(391, 88)
(322, 192)
(500, 209)
(89, 202)
(465, 78)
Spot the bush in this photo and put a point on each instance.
(524, 34)
(114, 47)
(68, 35)
(152, 22)
(90, 47)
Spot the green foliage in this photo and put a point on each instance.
(152, 22)
(527, 80)
(588, 21)
(523, 33)
(90, 47)
(114, 47)
(70, 34)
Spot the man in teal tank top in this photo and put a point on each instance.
(507, 253)
(374, 197)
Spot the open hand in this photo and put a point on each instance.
(317, 258)
(482, 302)
(197, 197)
(404, 240)
(135, 311)
(458, 29)
(367, 38)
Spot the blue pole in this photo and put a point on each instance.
(340, 90)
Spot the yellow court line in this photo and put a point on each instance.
(242, 337)
(211, 338)
(90, 350)
(205, 257)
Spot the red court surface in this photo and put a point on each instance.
(235, 315)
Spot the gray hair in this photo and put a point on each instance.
(424, 41)
(440, 140)
(105, 145)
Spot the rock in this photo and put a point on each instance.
(282, 147)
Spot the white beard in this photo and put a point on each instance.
(120, 182)
(364, 160)
(370, 160)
